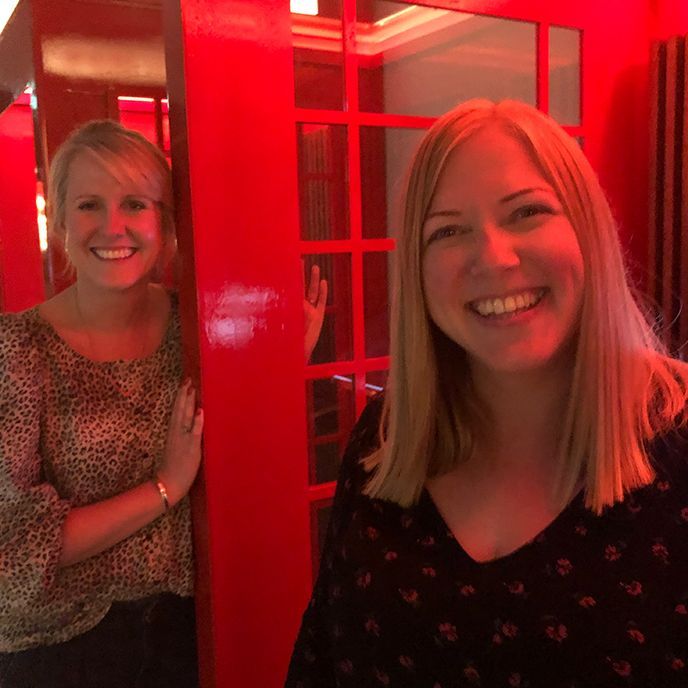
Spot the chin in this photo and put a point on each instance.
(521, 362)
(117, 283)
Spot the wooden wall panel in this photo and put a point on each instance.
(668, 240)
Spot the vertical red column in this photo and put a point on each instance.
(230, 78)
(21, 274)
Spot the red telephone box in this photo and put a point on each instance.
(290, 133)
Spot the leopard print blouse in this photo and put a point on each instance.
(72, 432)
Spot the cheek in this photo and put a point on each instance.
(74, 239)
(568, 266)
(151, 230)
(74, 229)
(441, 272)
(559, 255)
(434, 284)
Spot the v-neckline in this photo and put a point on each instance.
(442, 527)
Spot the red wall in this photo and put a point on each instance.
(21, 274)
(669, 18)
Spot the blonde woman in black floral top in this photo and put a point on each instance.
(99, 441)
(515, 512)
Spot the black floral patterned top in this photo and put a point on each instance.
(592, 601)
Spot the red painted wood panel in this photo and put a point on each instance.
(21, 265)
(669, 18)
(232, 117)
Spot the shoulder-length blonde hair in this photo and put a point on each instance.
(128, 156)
(624, 390)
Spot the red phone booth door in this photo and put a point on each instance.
(293, 128)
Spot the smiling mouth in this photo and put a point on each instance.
(508, 305)
(114, 253)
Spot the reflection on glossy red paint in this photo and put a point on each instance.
(21, 263)
(237, 315)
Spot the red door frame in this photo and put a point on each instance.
(233, 118)
(231, 101)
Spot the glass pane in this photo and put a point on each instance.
(318, 61)
(564, 75)
(326, 466)
(385, 157)
(376, 380)
(330, 404)
(336, 341)
(422, 61)
(323, 197)
(376, 303)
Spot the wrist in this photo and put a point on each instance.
(161, 487)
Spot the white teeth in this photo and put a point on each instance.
(510, 304)
(114, 253)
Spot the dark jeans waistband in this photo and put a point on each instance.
(144, 643)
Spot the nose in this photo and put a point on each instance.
(114, 221)
(495, 250)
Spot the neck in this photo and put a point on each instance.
(109, 309)
(525, 411)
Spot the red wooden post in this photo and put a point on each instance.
(230, 80)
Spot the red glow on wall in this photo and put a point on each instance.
(21, 274)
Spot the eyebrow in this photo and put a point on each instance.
(506, 199)
(129, 195)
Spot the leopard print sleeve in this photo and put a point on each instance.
(31, 511)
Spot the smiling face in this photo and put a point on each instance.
(502, 267)
(112, 225)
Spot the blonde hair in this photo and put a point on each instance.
(127, 156)
(625, 388)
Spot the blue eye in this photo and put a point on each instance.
(443, 232)
(135, 204)
(447, 231)
(530, 210)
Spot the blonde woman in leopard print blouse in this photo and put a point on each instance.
(99, 439)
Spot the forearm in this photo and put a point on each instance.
(90, 530)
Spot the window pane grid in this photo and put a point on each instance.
(367, 373)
